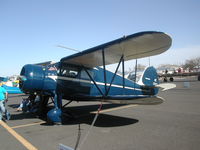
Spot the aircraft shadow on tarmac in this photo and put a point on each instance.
(103, 120)
(13, 105)
(83, 115)
(19, 115)
(22, 116)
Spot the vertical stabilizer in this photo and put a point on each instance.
(149, 77)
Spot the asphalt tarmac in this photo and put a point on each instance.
(172, 125)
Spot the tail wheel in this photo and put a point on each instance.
(171, 79)
(165, 79)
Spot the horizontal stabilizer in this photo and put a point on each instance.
(166, 86)
(154, 100)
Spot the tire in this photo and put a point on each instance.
(165, 79)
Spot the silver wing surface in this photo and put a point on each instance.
(139, 45)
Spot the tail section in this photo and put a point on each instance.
(149, 77)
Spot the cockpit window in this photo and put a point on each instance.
(68, 71)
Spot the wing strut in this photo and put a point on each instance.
(93, 81)
(121, 60)
(135, 73)
(123, 81)
(104, 70)
(105, 79)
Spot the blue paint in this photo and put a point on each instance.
(118, 81)
(12, 90)
(38, 78)
(55, 115)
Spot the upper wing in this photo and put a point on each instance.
(134, 46)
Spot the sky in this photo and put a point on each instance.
(30, 30)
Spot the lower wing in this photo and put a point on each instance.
(152, 100)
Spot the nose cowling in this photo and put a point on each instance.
(32, 78)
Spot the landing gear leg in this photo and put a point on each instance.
(55, 114)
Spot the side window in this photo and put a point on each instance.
(72, 73)
(67, 71)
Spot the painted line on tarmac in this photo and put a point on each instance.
(27, 125)
(114, 109)
(22, 140)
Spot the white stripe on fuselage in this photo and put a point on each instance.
(90, 82)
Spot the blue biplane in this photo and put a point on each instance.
(83, 76)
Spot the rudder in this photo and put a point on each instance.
(149, 77)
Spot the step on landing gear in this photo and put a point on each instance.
(57, 115)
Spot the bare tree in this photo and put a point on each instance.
(141, 67)
(192, 63)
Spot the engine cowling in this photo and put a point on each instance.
(32, 78)
(37, 78)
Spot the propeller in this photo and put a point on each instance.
(68, 48)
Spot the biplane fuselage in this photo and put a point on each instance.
(75, 84)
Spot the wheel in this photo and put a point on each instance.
(171, 79)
